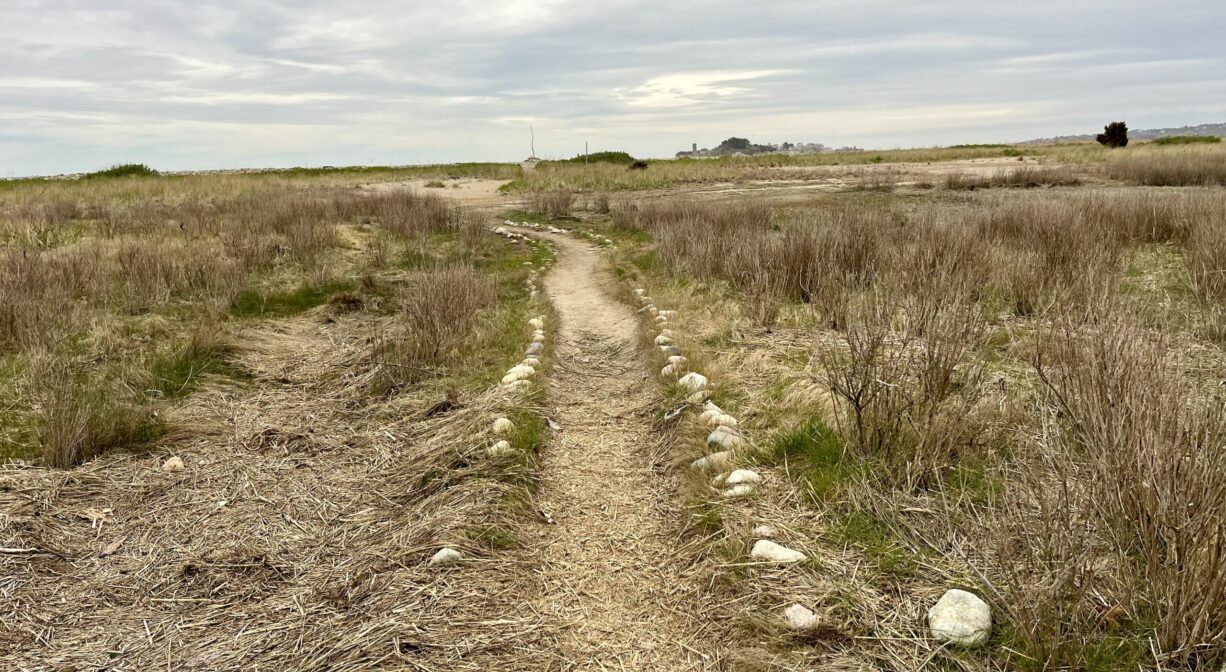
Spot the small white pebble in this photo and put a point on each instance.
(446, 556)
(503, 427)
(173, 464)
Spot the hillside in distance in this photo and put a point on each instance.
(1218, 130)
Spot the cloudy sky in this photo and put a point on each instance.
(231, 83)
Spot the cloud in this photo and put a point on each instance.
(691, 88)
(218, 83)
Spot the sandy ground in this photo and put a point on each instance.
(473, 193)
(613, 593)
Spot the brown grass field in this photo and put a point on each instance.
(998, 369)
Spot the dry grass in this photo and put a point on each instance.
(1171, 167)
(553, 203)
(1081, 497)
(1028, 177)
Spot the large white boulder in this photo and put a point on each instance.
(765, 550)
(960, 617)
(725, 437)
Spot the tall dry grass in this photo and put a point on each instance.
(1171, 167)
(1090, 482)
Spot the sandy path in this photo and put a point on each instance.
(612, 589)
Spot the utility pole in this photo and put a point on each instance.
(533, 132)
(585, 152)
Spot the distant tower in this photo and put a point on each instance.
(695, 147)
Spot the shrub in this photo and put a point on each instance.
(1115, 135)
(556, 203)
(122, 170)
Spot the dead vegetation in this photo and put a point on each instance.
(1005, 391)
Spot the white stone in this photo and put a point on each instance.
(517, 374)
(503, 427)
(678, 361)
(768, 551)
(535, 348)
(653, 311)
(743, 476)
(660, 319)
(500, 230)
(725, 437)
(531, 362)
(713, 462)
(538, 338)
(960, 617)
(698, 397)
(717, 419)
(710, 411)
(668, 314)
(640, 292)
(764, 531)
(175, 463)
(800, 618)
(694, 381)
(669, 371)
(739, 490)
(536, 323)
(500, 449)
(663, 340)
(446, 556)
(645, 300)
(517, 385)
(666, 332)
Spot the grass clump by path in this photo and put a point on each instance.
(271, 304)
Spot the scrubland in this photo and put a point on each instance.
(989, 367)
(1015, 391)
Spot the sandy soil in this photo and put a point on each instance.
(474, 193)
(613, 593)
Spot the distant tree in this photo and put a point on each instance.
(1115, 134)
(734, 144)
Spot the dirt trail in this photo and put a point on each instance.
(613, 587)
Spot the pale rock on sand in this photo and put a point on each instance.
(535, 348)
(800, 618)
(500, 449)
(739, 490)
(764, 531)
(503, 427)
(669, 371)
(725, 437)
(694, 381)
(715, 420)
(173, 464)
(713, 462)
(663, 340)
(536, 323)
(769, 551)
(446, 556)
(960, 617)
(743, 476)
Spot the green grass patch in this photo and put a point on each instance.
(176, 374)
(256, 303)
(1187, 140)
(827, 468)
(873, 536)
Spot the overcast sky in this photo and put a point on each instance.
(233, 83)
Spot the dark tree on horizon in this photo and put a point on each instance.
(1115, 134)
